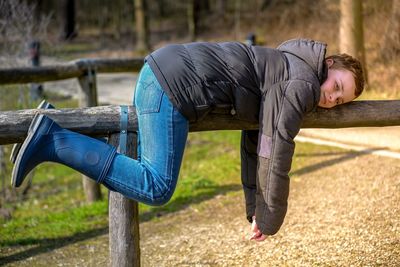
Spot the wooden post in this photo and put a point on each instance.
(124, 219)
(35, 89)
(2, 177)
(88, 98)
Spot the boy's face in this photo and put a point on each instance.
(339, 88)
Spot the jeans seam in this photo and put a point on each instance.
(132, 189)
(152, 171)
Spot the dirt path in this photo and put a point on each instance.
(343, 211)
(352, 218)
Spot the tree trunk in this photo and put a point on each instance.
(161, 8)
(238, 4)
(38, 11)
(67, 19)
(203, 5)
(191, 20)
(220, 7)
(390, 47)
(142, 28)
(351, 31)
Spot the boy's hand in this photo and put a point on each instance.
(257, 235)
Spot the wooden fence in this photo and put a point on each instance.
(85, 71)
(105, 121)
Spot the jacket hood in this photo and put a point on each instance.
(312, 52)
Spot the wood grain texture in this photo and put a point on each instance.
(124, 219)
(103, 120)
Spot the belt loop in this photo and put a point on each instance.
(124, 130)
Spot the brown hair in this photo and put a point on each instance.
(347, 62)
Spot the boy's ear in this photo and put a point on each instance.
(329, 62)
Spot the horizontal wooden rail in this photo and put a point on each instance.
(68, 70)
(102, 120)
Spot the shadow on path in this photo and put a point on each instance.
(48, 244)
(347, 156)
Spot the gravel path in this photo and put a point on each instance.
(351, 218)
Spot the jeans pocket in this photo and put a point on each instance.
(149, 99)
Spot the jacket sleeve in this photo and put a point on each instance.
(282, 112)
(248, 154)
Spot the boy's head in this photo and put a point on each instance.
(344, 83)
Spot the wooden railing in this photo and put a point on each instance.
(73, 69)
(104, 120)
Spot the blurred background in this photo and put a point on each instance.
(53, 212)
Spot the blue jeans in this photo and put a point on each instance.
(163, 131)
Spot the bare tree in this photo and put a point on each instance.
(351, 31)
(390, 47)
(67, 14)
(192, 16)
(18, 27)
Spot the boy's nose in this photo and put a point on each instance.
(331, 98)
